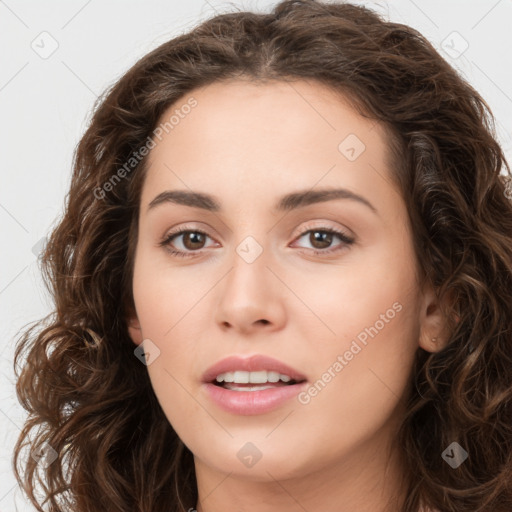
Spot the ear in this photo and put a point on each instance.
(433, 324)
(134, 328)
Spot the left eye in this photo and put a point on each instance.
(324, 237)
(196, 239)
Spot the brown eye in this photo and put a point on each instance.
(193, 240)
(320, 239)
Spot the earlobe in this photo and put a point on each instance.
(433, 336)
(135, 330)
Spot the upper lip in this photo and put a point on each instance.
(253, 363)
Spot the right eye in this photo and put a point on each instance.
(197, 238)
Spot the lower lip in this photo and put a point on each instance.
(252, 402)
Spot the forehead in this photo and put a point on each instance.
(243, 136)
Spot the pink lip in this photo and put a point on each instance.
(250, 364)
(252, 402)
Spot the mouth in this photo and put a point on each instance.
(254, 381)
(252, 385)
(255, 370)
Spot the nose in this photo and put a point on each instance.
(250, 296)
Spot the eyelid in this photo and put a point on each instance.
(322, 225)
(346, 238)
(182, 229)
(319, 224)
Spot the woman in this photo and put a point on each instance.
(202, 357)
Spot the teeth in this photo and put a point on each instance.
(234, 387)
(261, 377)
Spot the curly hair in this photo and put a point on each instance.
(91, 401)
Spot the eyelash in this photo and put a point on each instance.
(190, 254)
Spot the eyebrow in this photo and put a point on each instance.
(288, 202)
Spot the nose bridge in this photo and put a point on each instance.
(251, 295)
(249, 262)
(253, 237)
(250, 249)
(248, 283)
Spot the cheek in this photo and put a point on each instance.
(167, 304)
(357, 388)
(164, 296)
(367, 287)
(364, 355)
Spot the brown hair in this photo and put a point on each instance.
(91, 399)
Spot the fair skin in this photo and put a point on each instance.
(248, 145)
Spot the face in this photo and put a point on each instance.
(325, 284)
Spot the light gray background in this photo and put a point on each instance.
(45, 104)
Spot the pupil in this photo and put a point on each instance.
(194, 236)
(322, 238)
